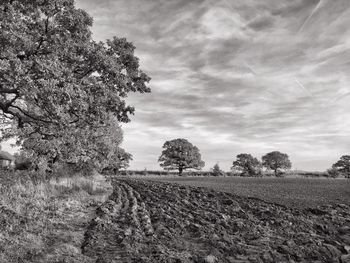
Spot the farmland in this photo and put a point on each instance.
(148, 221)
(293, 192)
(138, 220)
(259, 87)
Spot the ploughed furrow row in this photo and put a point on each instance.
(121, 228)
(145, 221)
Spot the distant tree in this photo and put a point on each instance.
(216, 171)
(343, 165)
(61, 91)
(144, 172)
(333, 172)
(276, 161)
(180, 154)
(247, 165)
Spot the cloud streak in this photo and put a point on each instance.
(309, 17)
(236, 76)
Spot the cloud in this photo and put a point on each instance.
(261, 23)
(236, 76)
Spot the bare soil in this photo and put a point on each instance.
(147, 221)
(293, 192)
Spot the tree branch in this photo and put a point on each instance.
(7, 90)
(30, 116)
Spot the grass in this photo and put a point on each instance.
(44, 221)
(294, 192)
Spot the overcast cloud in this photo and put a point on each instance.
(236, 76)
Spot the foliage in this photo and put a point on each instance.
(145, 172)
(343, 165)
(180, 154)
(276, 161)
(118, 160)
(247, 165)
(62, 95)
(216, 171)
(333, 172)
(22, 161)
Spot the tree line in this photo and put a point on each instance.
(180, 154)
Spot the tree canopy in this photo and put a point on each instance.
(62, 95)
(246, 164)
(180, 154)
(276, 161)
(216, 170)
(118, 160)
(343, 165)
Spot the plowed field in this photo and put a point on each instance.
(292, 192)
(145, 221)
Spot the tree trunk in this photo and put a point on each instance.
(276, 172)
(180, 170)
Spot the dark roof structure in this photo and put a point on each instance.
(6, 156)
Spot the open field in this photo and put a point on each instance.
(148, 221)
(84, 220)
(293, 192)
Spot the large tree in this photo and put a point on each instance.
(62, 95)
(180, 154)
(247, 165)
(343, 165)
(276, 161)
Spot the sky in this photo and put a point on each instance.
(243, 76)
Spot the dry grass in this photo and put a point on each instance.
(44, 221)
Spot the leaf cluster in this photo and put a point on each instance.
(342, 166)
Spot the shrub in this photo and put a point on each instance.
(333, 172)
(216, 171)
(343, 165)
